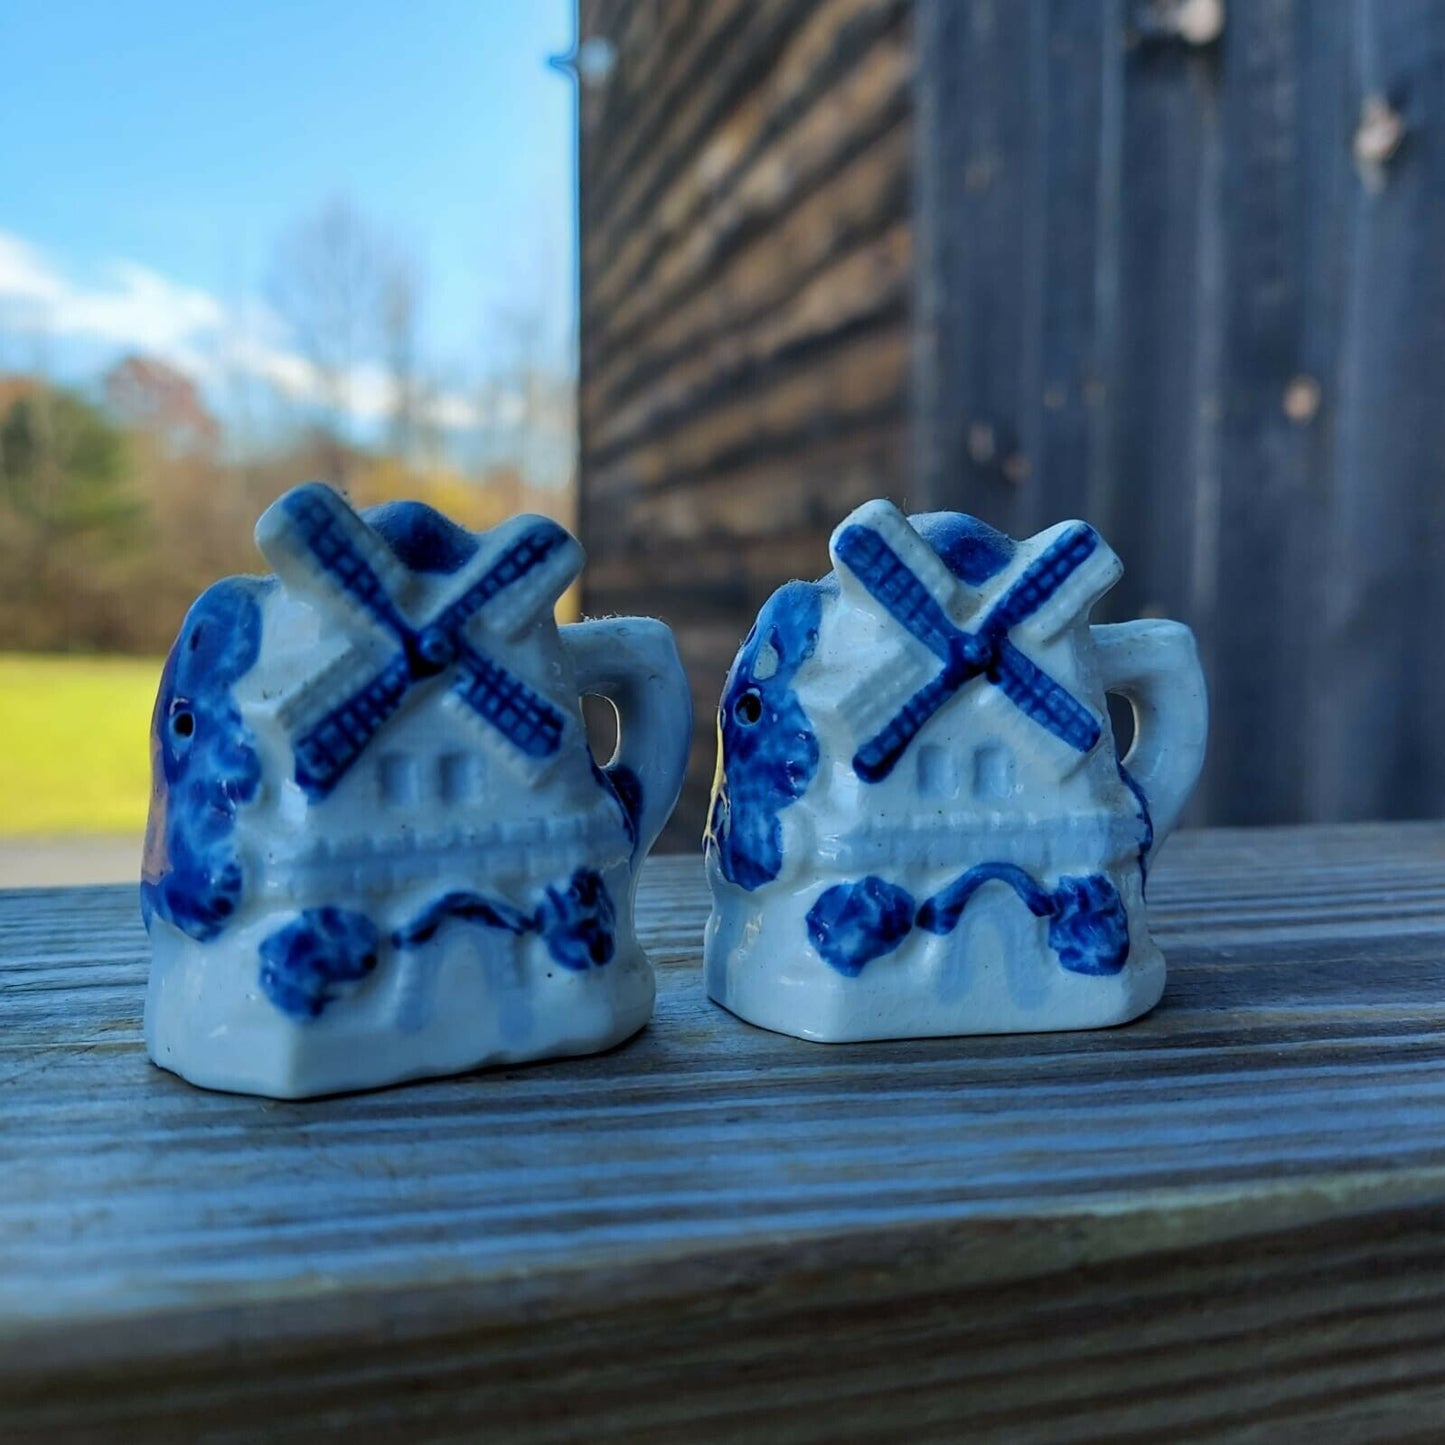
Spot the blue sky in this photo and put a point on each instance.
(152, 154)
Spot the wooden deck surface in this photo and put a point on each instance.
(1224, 1222)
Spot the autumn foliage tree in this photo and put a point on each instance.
(70, 521)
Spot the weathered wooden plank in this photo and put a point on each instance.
(851, 208)
(811, 493)
(715, 1231)
(1183, 228)
(739, 55)
(632, 132)
(709, 580)
(851, 388)
(1261, 518)
(770, 134)
(807, 159)
(1069, 302)
(1378, 717)
(974, 165)
(1155, 510)
(862, 289)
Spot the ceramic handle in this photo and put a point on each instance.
(633, 662)
(1155, 665)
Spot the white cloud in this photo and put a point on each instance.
(138, 309)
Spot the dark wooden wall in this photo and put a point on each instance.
(746, 264)
(1178, 288)
(1177, 268)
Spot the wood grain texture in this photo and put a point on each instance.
(1225, 1222)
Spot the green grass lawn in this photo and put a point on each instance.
(74, 743)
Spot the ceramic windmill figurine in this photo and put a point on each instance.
(379, 846)
(920, 824)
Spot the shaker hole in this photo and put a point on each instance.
(749, 708)
(1121, 719)
(599, 714)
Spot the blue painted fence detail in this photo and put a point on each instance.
(851, 924)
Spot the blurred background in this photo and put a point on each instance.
(240, 248)
(698, 277)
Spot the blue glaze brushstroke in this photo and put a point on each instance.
(314, 959)
(986, 652)
(316, 519)
(622, 784)
(851, 924)
(1146, 843)
(577, 920)
(769, 751)
(972, 550)
(421, 537)
(204, 764)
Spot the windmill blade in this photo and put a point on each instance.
(298, 708)
(878, 756)
(524, 717)
(1038, 696)
(889, 579)
(311, 533)
(1041, 579)
(333, 743)
(546, 557)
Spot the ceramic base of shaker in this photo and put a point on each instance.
(476, 1001)
(993, 975)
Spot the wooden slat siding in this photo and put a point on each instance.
(727, 368)
(973, 77)
(747, 272)
(735, 126)
(1130, 249)
(854, 204)
(853, 296)
(1380, 717)
(1224, 1222)
(1156, 511)
(711, 31)
(784, 498)
(1265, 559)
(853, 386)
(749, 201)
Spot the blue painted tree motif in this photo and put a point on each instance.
(204, 764)
(1088, 927)
(985, 652)
(311, 961)
(769, 751)
(315, 528)
(578, 921)
(851, 924)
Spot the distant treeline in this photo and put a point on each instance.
(116, 513)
